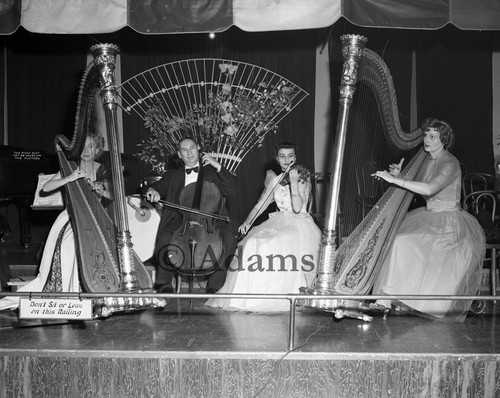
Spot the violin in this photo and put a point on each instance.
(304, 174)
(283, 180)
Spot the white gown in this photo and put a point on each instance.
(58, 271)
(67, 277)
(277, 257)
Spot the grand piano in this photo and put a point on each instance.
(19, 170)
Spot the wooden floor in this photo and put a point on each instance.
(187, 349)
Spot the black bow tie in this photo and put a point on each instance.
(195, 169)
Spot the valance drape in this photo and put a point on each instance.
(195, 16)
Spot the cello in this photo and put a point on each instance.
(196, 247)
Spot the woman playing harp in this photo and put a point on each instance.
(439, 248)
(353, 267)
(58, 271)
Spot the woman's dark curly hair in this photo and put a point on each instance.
(446, 134)
(285, 145)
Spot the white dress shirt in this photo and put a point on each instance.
(191, 177)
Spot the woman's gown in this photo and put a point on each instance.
(58, 271)
(276, 257)
(439, 249)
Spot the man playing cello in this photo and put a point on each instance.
(171, 187)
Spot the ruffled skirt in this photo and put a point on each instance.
(277, 257)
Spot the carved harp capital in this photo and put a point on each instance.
(104, 54)
(105, 59)
(352, 51)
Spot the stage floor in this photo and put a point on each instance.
(186, 350)
(197, 351)
(185, 328)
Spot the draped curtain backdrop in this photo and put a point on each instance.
(454, 83)
(295, 62)
(184, 16)
(2, 93)
(43, 75)
(44, 72)
(453, 71)
(453, 59)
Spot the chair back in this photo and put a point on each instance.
(472, 182)
(482, 204)
(370, 189)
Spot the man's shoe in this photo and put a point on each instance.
(211, 290)
(163, 288)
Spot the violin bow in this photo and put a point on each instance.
(282, 175)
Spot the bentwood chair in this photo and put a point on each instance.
(472, 182)
(483, 205)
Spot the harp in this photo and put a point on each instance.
(351, 268)
(107, 261)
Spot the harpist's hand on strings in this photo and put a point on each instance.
(395, 169)
(97, 186)
(384, 175)
(76, 175)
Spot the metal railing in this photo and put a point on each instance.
(293, 298)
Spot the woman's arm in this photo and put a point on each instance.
(102, 185)
(264, 201)
(102, 188)
(297, 190)
(57, 181)
(443, 178)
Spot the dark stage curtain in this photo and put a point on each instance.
(43, 75)
(453, 79)
(44, 72)
(290, 54)
(2, 91)
(454, 75)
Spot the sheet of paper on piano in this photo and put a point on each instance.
(47, 200)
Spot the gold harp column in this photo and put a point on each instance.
(104, 59)
(352, 51)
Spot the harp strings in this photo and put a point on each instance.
(366, 142)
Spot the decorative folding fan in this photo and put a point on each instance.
(227, 106)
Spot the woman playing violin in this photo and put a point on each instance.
(279, 255)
